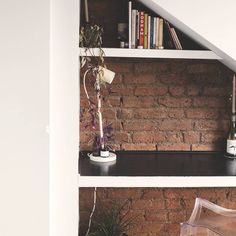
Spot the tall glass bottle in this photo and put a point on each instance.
(231, 141)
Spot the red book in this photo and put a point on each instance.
(141, 28)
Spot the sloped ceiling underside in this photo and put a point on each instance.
(211, 23)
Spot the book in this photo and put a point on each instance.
(174, 38)
(154, 32)
(141, 30)
(149, 32)
(157, 31)
(130, 10)
(179, 46)
(160, 34)
(133, 28)
(137, 27)
(168, 38)
(145, 45)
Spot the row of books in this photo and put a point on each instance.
(150, 32)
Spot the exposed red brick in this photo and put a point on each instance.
(150, 67)
(208, 125)
(174, 137)
(150, 90)
(157, 216)
(113, 101)
(175, 125)
(173, 79)
(214, 137)
(194, 90)
(177, 216)
(139, 79)
(191, 137)
(120, 67)
(208, 102)
(138, 102)
(198, 68)
(176, 113)
(202, 113)
(151, 193)
(173, 147)
(122, 136)
(154, 204)
(175, 102)
(123, 90)
(177, 91)
(172, 229)
(136, 124)
(126, 193)
(173, 204)
(216, 91)
(140, 146)
(148, 137)
(150, 113)
(206, 147)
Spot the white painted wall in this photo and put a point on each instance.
(24, 106)
(210, 22)
(64, 117)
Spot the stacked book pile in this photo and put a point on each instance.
(150, 32)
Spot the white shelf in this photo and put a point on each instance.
(170, 182)
(152, 53)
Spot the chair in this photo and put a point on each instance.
(208, 219)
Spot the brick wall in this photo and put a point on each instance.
(158, 211)
(164, 105)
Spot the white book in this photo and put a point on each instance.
(133, 28)
(160, 34)
(157, 31)
(154, 32)
(130, 12)
(174, 38)
(149, 30)
(179, 46)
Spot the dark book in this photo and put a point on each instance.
(168, 40)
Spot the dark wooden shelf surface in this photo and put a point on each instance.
(146, 163)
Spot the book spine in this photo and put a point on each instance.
(160, 34)
(137, 27)
(130, 10)
(145, 30)
(133, 29)
(177, 39)
(157, 31)
(154, 32)
(169, 40)
(174, 38)
(141, 30)
(149, 31)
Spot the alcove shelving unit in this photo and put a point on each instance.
(114, 174)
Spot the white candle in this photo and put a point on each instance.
(233, 96)
(86, 11)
